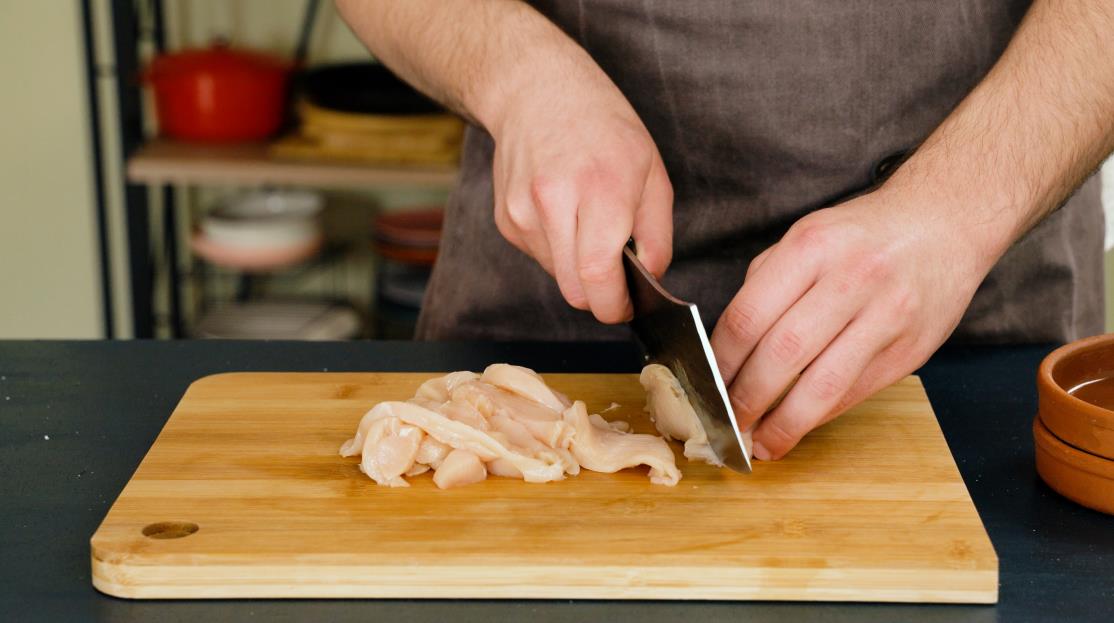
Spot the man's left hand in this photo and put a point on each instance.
(850, 300)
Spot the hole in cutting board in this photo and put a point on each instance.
(169, 529)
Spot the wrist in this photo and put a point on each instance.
(537, 82)
(978, 216)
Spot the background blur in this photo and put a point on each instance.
(324, 228)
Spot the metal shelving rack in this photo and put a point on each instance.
(163, 164)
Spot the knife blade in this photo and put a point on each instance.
(670, 333)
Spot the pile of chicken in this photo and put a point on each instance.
(508, 422)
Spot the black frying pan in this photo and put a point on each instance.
(360, 87)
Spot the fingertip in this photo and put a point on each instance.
(760, 452)
(578, 303)
(613, 315)
(573, 295)
(774, 437)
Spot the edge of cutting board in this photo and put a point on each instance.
(666, 583)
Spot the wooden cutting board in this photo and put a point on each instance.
(243, 494)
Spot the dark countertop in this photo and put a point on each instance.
(102, 403)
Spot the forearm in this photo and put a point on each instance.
(1029, 133)
(475, 56)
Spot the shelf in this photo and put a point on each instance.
(169, 162)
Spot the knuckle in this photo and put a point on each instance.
(596, 270)
(753, 266)
(845, 402)
(742, 321)
(758, 261)
(828, 386)
(519, 214)
(807, 235)
(741, 402)
(906, 301)
(873, 268)
(780, 435)
(918, 352)
(786, 346)
(502, 223)
(546, 192)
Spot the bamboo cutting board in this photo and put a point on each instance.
(243, 494)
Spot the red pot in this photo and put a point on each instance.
(218, 94)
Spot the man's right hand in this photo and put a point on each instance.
(576, 175)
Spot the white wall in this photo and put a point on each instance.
(49, 279)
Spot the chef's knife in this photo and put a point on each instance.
(671, 334)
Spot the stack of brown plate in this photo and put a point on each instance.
(385, 139)
(1074, 429)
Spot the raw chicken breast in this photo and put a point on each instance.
(526, 383)
(544, 423)
(389, 451)
(462, 437)
(603, 449)
(461, 467)
(672, 414)
(506, 422)
(437, 390)
(432, 452)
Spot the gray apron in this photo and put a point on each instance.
(763, 112)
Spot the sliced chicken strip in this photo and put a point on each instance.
(464, 437)
(432, 452)
(438, 389)
(431, 395)
(524, 382)
(389, 451)
(464, 412)
(619, 425)
(602, 449)
(672, 414)
(504, 468)
(545, 424)
(460, 468)
(507, 422)
(520, 439)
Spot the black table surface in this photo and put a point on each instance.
(77, 417)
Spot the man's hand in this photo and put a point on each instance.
(576, 175)
(857, 296)
(853, 298)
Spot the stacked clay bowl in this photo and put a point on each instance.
(1074, 429)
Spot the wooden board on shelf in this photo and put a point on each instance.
(870, 507)
(172, 162)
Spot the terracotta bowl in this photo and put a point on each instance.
(1066, 380)
(1074, 474)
